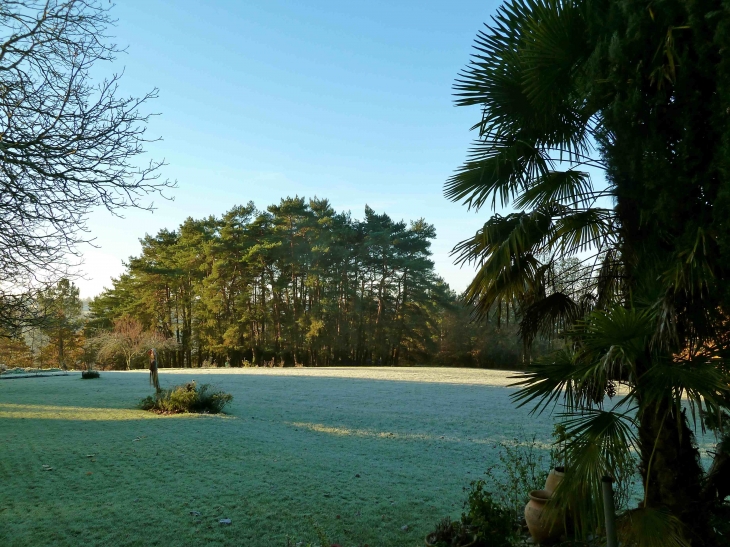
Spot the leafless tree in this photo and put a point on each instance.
(129, 340)
(68, 143)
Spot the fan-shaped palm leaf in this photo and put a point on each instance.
(499, 168)
(565, 376)
(700, 383)
(599, 443)
(647, 527)
(545, 315)
(573, 188)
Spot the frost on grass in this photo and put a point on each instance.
(381, 448)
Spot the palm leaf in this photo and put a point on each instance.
(565, 376)
(513, 68)
(648, 527)
(545, 315)
(598, 443)
(566, 187)
(701, 383)
(579, 231)
(498, 168)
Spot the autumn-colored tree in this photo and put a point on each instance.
(128, 340)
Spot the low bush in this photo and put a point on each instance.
(187, 398)
(450, 533)
(492, 522)
(89, 374)
(485, 522)
(524, 463)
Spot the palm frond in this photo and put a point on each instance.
(700, 383)
(495, 283)
(598, 443)
(617, 337)
(499, 168)
(545, 315)
(691, 271)
(565, 376)
(572, 188)
(505, 249)
(608, 284)
(648, 527)
(579, 231)
(519, 71)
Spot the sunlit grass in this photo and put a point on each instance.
(48, 412)
(362, 452)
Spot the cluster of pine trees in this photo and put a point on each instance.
(301, 284)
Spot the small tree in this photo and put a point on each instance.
(61, 310)
(128, 339)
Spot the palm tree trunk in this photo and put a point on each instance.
(670, 466)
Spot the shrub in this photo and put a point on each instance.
(523, 466)
(89, 374)
(187, 398)
(450, 533)
(485, 522)
(492, 522)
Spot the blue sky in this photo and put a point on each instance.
(351, 101)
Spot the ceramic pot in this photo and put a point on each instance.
(541, 529)
(556, 475)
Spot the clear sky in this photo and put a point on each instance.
(259, 100)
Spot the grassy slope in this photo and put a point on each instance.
(288, 452)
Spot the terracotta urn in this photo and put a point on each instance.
(541, 529)
(556, 475)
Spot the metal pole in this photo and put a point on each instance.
(609, 511)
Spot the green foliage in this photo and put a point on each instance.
(490, 518)
(450, 533)
(647, 527)
(492, 522)
(187, 397)
(299, 284)
(61, 309)
(89, 374)
(523, 466)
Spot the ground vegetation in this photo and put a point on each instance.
(360, 451)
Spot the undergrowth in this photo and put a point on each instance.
(187, 397)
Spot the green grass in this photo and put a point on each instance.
(288, 452)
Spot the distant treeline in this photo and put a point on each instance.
(300, 284)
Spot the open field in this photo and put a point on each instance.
(361, 452)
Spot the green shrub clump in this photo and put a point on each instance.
(485, 522)
(89, 374)
(187, 397)
(492, 522)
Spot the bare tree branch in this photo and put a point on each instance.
(67, 143)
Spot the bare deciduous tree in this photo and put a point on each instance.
(68, 143)
(128, 339)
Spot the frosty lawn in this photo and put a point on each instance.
(361, 452)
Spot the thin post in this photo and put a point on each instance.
(609, 511)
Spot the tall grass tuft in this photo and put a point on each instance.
(187, 397)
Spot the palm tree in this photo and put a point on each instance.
(568, 89)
